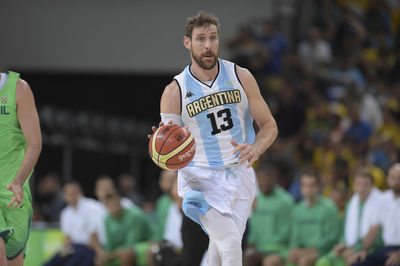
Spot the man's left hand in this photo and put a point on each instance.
(18, 195)
(246, 151)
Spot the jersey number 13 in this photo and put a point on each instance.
(227, 117)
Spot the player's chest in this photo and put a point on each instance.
(6, 108)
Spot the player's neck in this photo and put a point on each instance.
(202, 74)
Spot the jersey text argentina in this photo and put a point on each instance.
(216, 113)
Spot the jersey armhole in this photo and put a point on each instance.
(180, 92)
(237, 76)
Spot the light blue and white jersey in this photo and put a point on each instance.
(216, 113)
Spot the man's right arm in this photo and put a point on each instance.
(371, 237)
(171, 99)
(368, 242)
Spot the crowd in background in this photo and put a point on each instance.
(335, 95)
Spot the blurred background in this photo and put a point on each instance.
(329, 71)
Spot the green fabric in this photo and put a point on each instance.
(316, 226)
(270, 222)
(141, 250)
(131, 228)
(12, 140)
(15, 225)
(330, 260)
(162, 207)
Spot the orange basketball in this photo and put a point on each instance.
(172, 147)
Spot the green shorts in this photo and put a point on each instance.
(15, 225)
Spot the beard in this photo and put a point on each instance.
(203, 64)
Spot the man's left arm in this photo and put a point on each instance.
(263, 117)
(29, 122)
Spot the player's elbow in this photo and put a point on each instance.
(274, 128)
(35, 146)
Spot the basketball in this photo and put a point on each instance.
(172, 147)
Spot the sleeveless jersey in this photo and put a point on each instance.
(215, 114)
(12, 140)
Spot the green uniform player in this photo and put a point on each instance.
(162, 208)
(315, 224)
(132, 230)
(128, 232)
(269, 222)
(20, 146)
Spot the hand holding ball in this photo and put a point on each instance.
(172, 147)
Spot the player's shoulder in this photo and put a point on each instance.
(22, 84)
(172, 89)
(23, 89)
(285, 195)
(243, 73)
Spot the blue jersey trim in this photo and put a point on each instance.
(236, 131)
(250, 133)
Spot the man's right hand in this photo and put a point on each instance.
(358, 257)
(338, 249)
(155, 128)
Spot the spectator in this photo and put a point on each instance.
(358, 220)
(387, 218)
(315, 52)
(290, 113)
(269, 222)
(276, 44)
(173, 222)
(127, 233)
(104, 186)
(359, 130)
(50, 198)
(166, 181)
(247, 50)
(170, 248)
(339, 195)
(314, 224)
(127, 189)
(78, 223)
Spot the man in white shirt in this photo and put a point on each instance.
(78, 223)
(388, 219)
(315, 51)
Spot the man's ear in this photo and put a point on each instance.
(186, 42)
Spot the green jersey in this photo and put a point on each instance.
(270, 220)
(162, 208)
(14, 223)
(12, 140)
(131, 228)
(315, 226)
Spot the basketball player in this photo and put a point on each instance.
(217, 100)
(20, 146)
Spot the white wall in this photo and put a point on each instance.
(109, 36)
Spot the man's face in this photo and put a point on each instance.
(362, 186)
(393, 179)
(204, 46)
(309, 187)
(104, 187)
(112, 202)
(72, 193)
(266, 182)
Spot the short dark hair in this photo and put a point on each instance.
(73, 182)
(312, 174)
(201, 19)
(366, 173)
